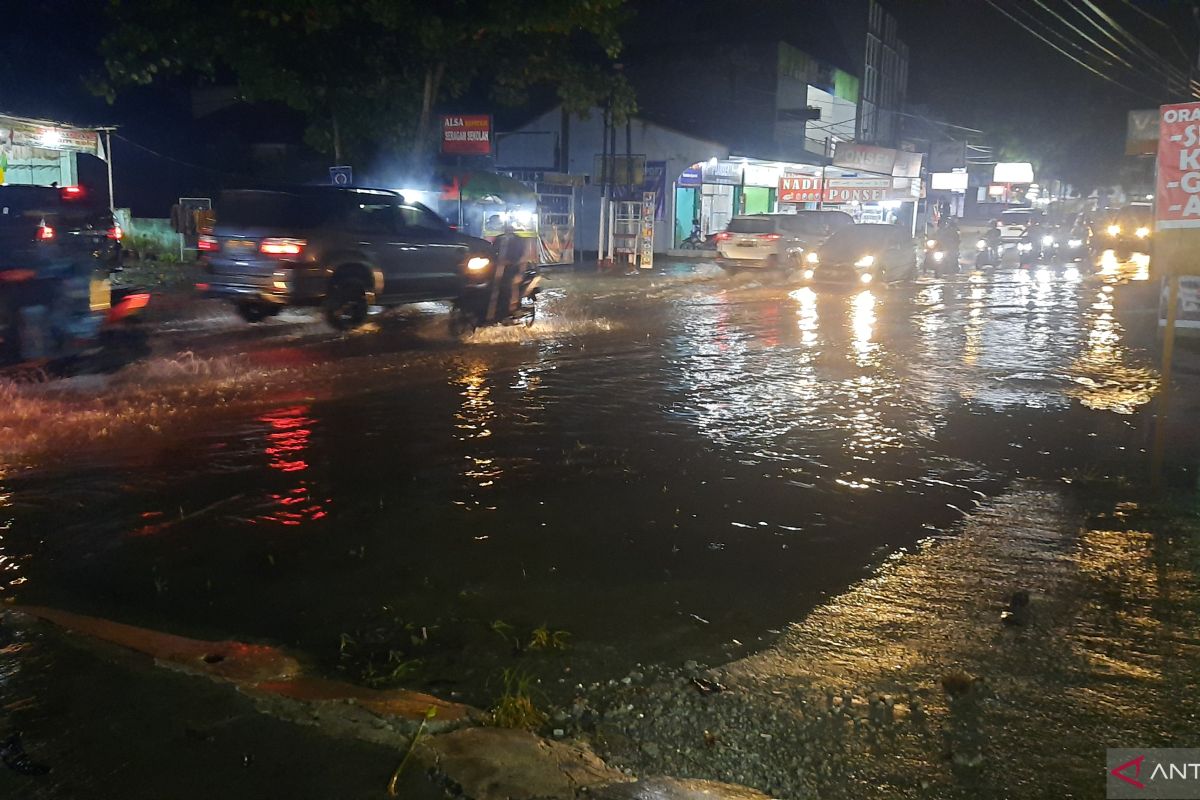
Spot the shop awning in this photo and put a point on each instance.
(50, 135)
(474, 185)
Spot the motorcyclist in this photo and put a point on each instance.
(947, 238)
(514, 253)
(991, 244)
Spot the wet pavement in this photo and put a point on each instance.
(665, 467)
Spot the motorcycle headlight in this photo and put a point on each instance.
(477, 263)
(1024, 247)
(865, 277)
(1113, 230)
(1075, 243)
(981, 244)
(865, 261)
(808, 274)
(931, 243)
(1142, 232)
(938, 255)
(812, 258)
(1047, 240)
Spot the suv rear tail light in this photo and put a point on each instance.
(772, 237)
(282, 247)
(723, 235)
(208, 244)
(44, 233)
(116, 233)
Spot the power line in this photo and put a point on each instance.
(1083, 64)
(157, 154)
(1175, 39)
(1067, 22)
(1164, 68)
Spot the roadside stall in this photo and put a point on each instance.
(38, 152)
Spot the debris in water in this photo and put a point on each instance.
(13, 754)
(705, 686)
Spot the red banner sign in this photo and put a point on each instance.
(467, 134)
(1177, 201)
(806, 189)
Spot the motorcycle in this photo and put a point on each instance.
(70, 324)
(940, 257)
(987, 255)
(1035, 247)
(509, 298)
(698, 241)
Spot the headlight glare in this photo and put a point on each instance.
(477, 263)
(865, 277)
(865, 261)
(812, 258)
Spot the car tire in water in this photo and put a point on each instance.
(255, 312)
(462, 322)
(347, 307)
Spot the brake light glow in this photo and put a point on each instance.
(72, 192)
(208, 244)
(282, 247)
(45, 233)
(772, 237)
(115, 233)
(724, 235)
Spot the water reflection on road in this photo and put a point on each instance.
(672, 462)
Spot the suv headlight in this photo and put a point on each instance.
(865, 261)
(981, 244)
(812, 257)
(477, 263)
(1142, 232)
(1113, 230)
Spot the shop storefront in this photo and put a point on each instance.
(37, 152)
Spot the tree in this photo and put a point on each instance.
(372, 73)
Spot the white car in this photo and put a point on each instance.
(769, 241)
(1015, 223)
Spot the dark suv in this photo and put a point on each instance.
(341, 249)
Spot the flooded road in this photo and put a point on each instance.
(664, 467)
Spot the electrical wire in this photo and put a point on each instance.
(1154, 60)
(157, 154)
(1081, 63)
(1175, 39)
(1088, 38)
(1110, 66)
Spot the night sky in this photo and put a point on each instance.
(969, 64)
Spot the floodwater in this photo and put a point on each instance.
(664, 467)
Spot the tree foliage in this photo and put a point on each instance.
(370, 73)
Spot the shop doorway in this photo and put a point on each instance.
(757, 200)
(687, 213)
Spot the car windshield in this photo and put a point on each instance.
(1134, 215)
(858, 240)
(817, 222)
(752, 225)
(254, 209)
(1016, 217)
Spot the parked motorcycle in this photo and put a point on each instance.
(698, 241)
